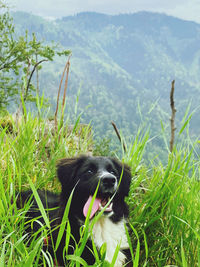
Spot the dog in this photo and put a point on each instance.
(82, 177)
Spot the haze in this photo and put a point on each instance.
(185, 9)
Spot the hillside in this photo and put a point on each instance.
(123, 66)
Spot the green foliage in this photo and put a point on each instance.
(102, 147)
(165, 205)
(164, 201)
(123, 66)
(20, 56)
(6, 123)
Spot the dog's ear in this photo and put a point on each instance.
(125, 170)
(66, 171)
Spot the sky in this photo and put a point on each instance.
(185, 9)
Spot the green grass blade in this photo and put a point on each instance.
(129, 242)
(115, 255)
(184, 263)
(185, 124)
(39, 202)
(68, 235)
(145, 245)
(137, 255)
(3, 253)
(64, 221)
(195, 232)
(77, 259)
(33, 254)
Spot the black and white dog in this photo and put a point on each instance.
(83, 174)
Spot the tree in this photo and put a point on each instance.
(19, 58)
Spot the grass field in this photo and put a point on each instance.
(164, 200)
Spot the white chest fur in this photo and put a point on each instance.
(113, 234)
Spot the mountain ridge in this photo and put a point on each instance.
(123, 65)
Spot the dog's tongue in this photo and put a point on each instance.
(95, 206)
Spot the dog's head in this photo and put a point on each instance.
(85, 173)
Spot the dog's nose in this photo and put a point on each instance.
(109, 181)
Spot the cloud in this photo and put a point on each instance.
(188, 9)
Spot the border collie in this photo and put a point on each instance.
(85, 175)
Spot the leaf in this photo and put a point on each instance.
(64, 221)
(185, 124)
(184, 263)
(39, 202)
(33, 254)
(77, 259)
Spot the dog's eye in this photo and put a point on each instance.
(90, 171)
(111, 170)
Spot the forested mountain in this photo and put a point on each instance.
(123, 66)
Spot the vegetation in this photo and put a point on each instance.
(20, 57)
(122, 66)
(164, 203)
(164, 200)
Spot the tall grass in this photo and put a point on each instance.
(165, 205)
(164, 201)
(28, 157)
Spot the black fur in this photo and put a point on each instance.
(82, 174)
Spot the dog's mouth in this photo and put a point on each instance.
(98, 205)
